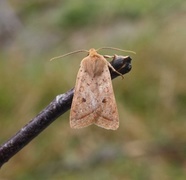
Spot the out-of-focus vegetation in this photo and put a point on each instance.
(151, 140)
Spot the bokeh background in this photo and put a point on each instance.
(151, 140)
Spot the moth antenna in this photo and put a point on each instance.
(73, 52)
(113, 48)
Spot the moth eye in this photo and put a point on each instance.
(104, 100)
(83, 100)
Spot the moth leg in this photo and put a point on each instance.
(115, 70)
(107, 56)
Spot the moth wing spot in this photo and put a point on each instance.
(104, 100)
(81, 89)
(106, 89)
(83, 100)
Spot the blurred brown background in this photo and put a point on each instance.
(151, 140)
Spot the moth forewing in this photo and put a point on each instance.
(107, 112)
(94, 101)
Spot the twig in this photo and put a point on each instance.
(56, 108)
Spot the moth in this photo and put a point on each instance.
(94, 101)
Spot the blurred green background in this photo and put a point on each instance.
(151, 140)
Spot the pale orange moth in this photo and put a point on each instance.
(94, 101)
